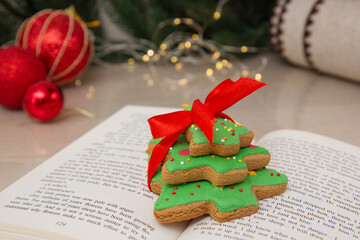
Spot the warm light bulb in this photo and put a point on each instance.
(177, 21)
(78, 83)
(150, 82)
(89, 95)
(178, 66)
(182, 82)
(188, 21)
(131, 61)
(216, 55)
(91, 89)
(145, 58)
(163, 46)
(174, 59)
(162, 52)
(258, 76)
(156, 57)
(244, 49)
(217, 15)
(245, 73)
(150, 52)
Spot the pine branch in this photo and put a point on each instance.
(31, 6)
(12, 10)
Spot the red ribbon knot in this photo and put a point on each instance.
(170, 125)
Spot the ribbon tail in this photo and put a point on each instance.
(204, 119)
(159, 153)
(229, 93)
(218, 89)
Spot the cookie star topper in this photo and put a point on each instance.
(169, 126)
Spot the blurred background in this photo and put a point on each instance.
(233, 23)
(320, 35)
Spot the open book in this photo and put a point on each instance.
(96, 189)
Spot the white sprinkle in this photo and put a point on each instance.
(216, 129)
(229, 129)
(182, 162)
(170, 148)
(225, 119)
(196, 128)
(222, 140)
(234, 157)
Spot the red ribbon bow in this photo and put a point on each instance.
(171, 125)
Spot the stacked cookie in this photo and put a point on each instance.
(225, 179)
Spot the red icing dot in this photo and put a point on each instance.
(191, 193)
(215, 120)
(233, 134)
(271, 174)
(233, 130)
(175, 188)
(264, 167)
(180, 142)
(184, 152)
(198, 185)
(251, 146)
(240, 190)
(222, 123)
(172, 159)
(278, 174)
(173, 192)
(232, 187)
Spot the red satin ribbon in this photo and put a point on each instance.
(171, 125)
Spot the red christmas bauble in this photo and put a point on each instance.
(19, 68)
(60, 40)
(43, 101)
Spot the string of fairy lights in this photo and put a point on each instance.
(182, 48)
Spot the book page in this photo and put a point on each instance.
(322, 200)
(93, 189)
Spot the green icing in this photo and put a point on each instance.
(188, 108)
(227, 198)
(219, 164)
(220, 131)
(157, 175)
(264, 178)
(155, 140)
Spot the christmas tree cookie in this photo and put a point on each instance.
(200, 160)
(181, 167)
(227, 139)
(186, 201)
